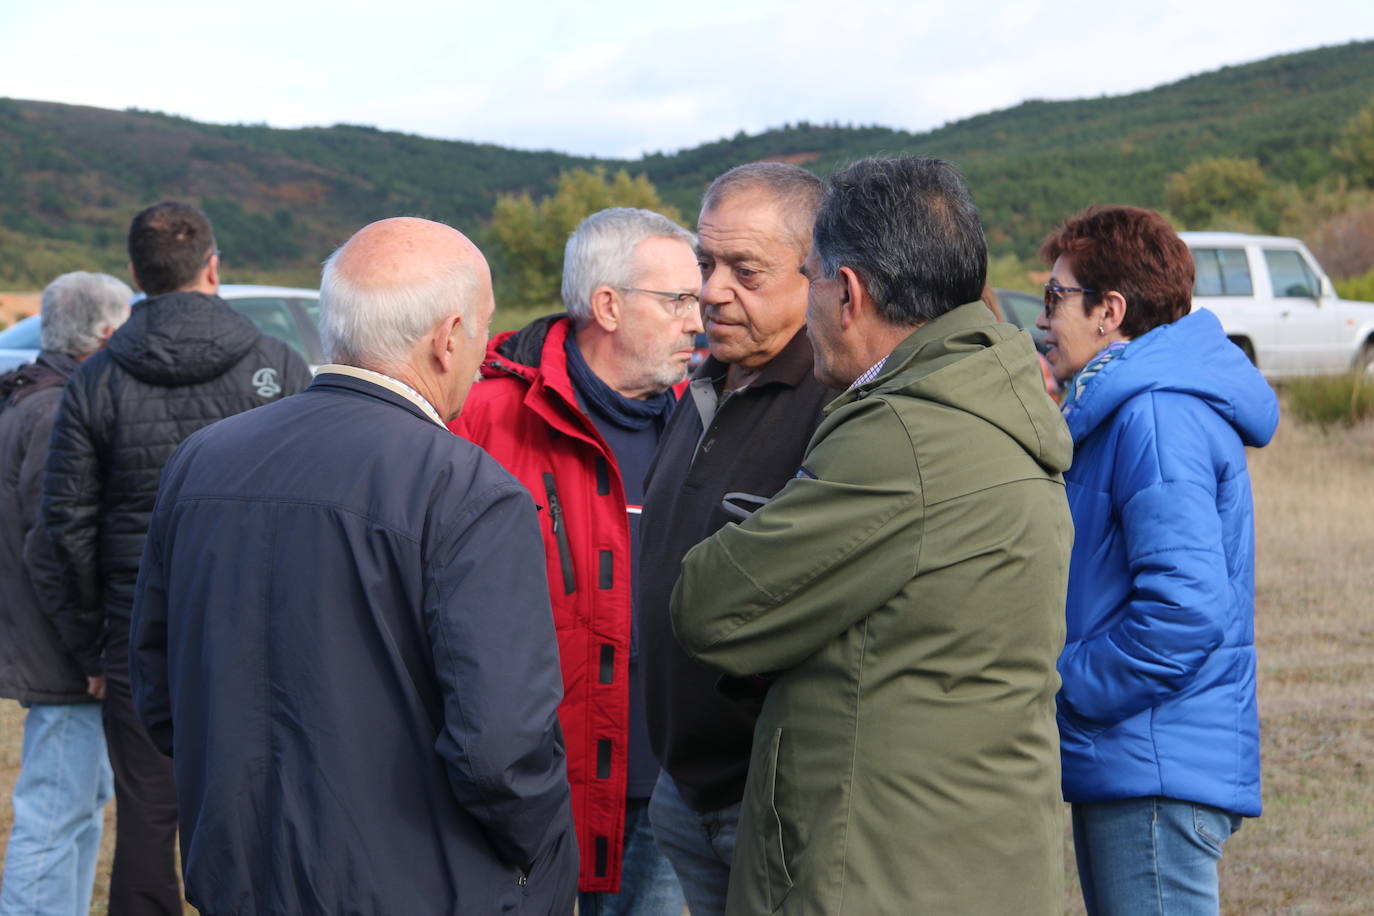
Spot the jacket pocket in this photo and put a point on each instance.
(1214, 826)
(560, 534)
(774, 856)
(550, 885)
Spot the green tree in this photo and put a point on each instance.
(1355, 147)
(1223, 192)
(529, 236)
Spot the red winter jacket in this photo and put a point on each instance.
(524, 412)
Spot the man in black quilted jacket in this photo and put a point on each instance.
(183, 360)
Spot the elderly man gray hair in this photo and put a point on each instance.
(573, 405)
(64, 771)
(81, 310)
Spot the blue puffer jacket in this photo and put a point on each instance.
(1159, 665)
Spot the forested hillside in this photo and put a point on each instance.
(71, 176)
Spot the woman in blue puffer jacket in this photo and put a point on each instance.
(1158, 726)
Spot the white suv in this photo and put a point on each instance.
(1277, 305)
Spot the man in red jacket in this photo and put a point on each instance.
(573, 405)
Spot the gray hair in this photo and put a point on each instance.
(78, 308)
(599, 253)
(796, 191)
(909, 229)
(377, 328)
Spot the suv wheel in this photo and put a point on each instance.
(1364, 363)
(1249, 350)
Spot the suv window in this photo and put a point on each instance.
(273, 317)
(1289, 274)
(1221, 272)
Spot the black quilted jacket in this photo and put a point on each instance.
(181, 362)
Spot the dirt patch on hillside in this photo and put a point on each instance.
(792, 158)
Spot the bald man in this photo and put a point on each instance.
(342, 631)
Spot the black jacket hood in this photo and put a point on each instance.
(182, 339)
(525, 346)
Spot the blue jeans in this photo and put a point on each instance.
(700, 846)
(648, 886)
(1150, 856)
(59, 811)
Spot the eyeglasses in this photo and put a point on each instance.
(213, 254)
(679, 305)
(1054, 294)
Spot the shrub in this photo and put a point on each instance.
(1359, 288)
(1331, 400)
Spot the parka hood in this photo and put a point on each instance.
(968, 361)
(1189, 356)
(524, 348)
(182, 339)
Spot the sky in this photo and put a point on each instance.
(621, 78)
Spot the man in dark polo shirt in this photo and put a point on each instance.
(731, 444)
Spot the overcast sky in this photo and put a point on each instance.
(622, 78)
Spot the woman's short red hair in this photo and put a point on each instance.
(1133, 251)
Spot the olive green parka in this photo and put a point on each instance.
(905, 594)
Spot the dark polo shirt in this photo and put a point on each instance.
(751, 442)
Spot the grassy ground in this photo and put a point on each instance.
(1311, 852)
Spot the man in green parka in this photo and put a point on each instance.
(902, 599)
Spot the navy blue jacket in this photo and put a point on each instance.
(1159, 665)
(342, 635)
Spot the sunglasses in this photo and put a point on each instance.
(1054, 294)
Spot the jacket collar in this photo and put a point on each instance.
(372, 384)
(61, 363)
(792, 366)
(968, 316)
(535, 354)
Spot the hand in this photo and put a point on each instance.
(95, 686)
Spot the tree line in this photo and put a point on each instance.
(1261, 146)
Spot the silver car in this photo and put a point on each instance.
(282, 311)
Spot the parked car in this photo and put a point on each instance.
(1021, 309)
(1277, 305)
(289, 314)
(701, 348)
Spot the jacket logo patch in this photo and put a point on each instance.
(266, 384)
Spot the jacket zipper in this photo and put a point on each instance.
(560, 534)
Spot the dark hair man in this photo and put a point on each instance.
(574, 405)
(905, 592)
(342, 628)
(64, 773)
(732, 443)
(182, 361)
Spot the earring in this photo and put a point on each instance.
(1100, 332)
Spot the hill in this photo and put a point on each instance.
(71, 176)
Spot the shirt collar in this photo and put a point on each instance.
(870, 374)
(395, 386)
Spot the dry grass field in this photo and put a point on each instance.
(14, 306)
(1313, 850)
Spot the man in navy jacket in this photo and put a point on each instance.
(183, 360)
(342, 630)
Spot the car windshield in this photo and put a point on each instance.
(24, 335)
(272, 316)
